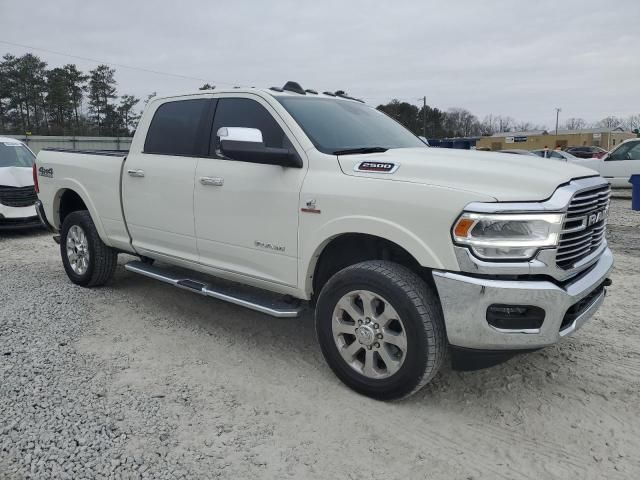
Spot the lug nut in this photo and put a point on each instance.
(368, 320)
(359, 322)
(376, 326)
(377, 345)
(379, 335)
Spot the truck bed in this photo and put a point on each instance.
(95, 175)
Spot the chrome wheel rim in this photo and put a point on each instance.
(78, 250)
(369, 334)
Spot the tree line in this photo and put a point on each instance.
(62, 100)
(458, 122)
(455, 122)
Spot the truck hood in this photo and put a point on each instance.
(503, 176)
(16, 177)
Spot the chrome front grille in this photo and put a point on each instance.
(18, 196)
(584, 226)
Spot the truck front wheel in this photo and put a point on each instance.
(86, 259)
(381, 329)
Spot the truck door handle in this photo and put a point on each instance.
(213, 181)
(136, 173)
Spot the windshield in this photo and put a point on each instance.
(15, 154)
(626, 151)
(340, 125)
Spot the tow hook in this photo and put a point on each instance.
(608, 282)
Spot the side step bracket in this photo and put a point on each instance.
(248, 297)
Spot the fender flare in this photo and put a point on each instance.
(377, 227)
(77, 188)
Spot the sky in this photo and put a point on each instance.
(519, 58)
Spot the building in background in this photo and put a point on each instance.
(606, 138)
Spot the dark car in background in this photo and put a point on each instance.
(517, 151)
(587, 151)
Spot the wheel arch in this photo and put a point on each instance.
(72, 198)
(348, 248)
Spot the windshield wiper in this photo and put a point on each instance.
(353, 151)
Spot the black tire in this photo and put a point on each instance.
(102, 259)
(421, 314)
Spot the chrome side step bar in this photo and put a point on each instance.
(244, 296)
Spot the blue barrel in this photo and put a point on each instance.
(634, 180)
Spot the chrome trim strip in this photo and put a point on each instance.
(542, 264)
(558, 202)
(528, 331)
(584, 316)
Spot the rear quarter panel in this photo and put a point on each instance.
(96, 179)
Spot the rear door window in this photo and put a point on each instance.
(180, 128)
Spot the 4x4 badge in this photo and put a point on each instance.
(45, 172)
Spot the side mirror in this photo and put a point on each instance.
(240, 134)
(246, 145)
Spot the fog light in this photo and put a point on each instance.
(515, 317)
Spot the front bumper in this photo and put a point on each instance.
(465, 300)
(13, 218)
(42, 217)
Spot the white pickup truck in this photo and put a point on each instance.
(278, 199)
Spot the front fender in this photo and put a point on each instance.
(383, 228)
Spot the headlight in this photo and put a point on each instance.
(507, 236)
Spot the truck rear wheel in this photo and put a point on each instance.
(381, 329)
(86, 259)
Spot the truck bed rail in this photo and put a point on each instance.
(108, 153)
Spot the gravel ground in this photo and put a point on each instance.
(139, 380)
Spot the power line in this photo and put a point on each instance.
(372, 99)
(119, 65)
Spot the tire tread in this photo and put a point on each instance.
(104, 258)
(424, 301)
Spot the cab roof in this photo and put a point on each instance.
(290, 89)
(12, 140)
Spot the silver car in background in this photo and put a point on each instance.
(563, 156)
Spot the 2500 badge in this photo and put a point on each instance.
(377, 167)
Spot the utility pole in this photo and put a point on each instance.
(558, 110)
(424, 116)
